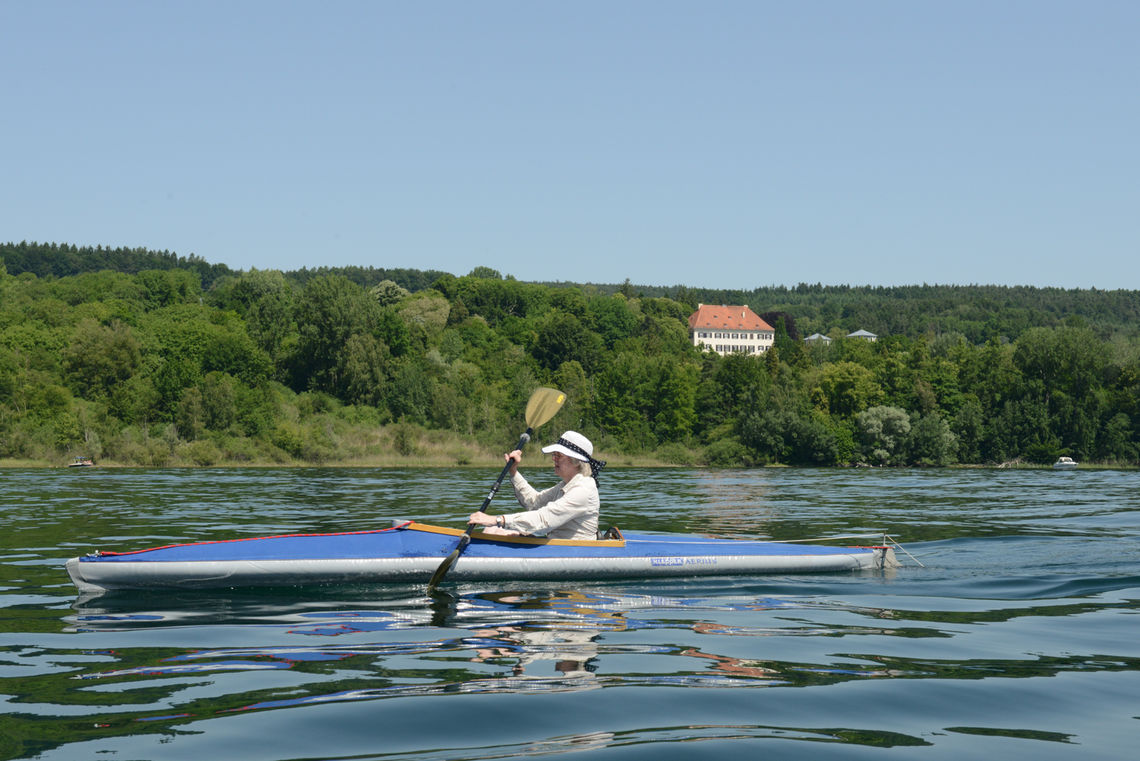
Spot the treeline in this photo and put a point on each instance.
(152, 366)
(979, 312)
(62, 260)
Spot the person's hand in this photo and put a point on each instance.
(481, 519)
(514, 458)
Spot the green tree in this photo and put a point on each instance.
(564, 338)
(612, 318)
(364, 370)
(229, 349)
(190, 419)
(99, 357)
(785, 436)
(674, 410)
(883, 433)
(969, 428)
(578, 412)
(330, 311)
(728, 386)
(425, 314)
(931, 442)
(388, 293)
(163, 288)
(219, 401)
(846, 388)
(1117, 442)
(266, 301)
(410, 392)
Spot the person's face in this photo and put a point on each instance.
(564, 467)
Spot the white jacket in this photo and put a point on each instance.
(566, 511)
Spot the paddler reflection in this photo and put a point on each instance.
(545, 649)
(541, 653)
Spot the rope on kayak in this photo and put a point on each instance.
(871, 535)
(887, 539)
(891, 540)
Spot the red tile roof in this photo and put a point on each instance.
(709, 317)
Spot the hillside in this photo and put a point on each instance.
(152, 358)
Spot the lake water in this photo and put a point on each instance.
(1017, 637)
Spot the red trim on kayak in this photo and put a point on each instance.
(254, 538)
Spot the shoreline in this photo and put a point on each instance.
(398, 462)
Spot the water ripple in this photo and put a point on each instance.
(1015, 636)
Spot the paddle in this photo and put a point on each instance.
(543, 405)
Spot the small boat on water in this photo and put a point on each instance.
(410, 552)
(1065, 463)
(82, 462)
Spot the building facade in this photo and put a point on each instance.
(730, 329)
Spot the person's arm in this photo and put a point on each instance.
(528, 498)
(480, 518)
(577, 500)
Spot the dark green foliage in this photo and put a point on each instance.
(45, 260)
(410, 391)
(611, 318)
(168, 355)
(788, 437)
(563, 338)
(99, 357)
(344, 336)
(366, 277)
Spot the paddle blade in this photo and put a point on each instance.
(544, 404)
(440, 572)
(449, 561)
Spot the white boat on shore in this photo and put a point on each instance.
(1065, 463)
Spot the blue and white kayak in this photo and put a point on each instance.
(411, 552)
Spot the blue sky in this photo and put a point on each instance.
(710, 144)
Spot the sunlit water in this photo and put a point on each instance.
(1017, 637)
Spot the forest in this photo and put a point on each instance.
(135, 357)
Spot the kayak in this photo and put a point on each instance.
(410, 552)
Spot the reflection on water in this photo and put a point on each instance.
(1017, 637)
(521, 641)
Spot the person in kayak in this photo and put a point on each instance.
(568, 510)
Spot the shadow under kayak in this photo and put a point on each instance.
(410, 553)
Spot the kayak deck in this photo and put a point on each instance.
(410, 552)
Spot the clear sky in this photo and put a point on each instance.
(710, 144)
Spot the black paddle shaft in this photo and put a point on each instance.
(466, 538)
(499, 481)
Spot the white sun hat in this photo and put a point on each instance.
(572, 444)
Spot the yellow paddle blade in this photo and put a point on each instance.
(543, 405)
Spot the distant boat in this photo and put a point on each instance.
(1065, 463)
(82, 462)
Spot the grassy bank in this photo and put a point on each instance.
(393, 446)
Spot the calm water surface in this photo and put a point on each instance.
(1017, 637)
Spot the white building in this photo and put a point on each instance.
(730, 329)
(866, 335)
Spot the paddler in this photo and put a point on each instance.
(568, 510)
